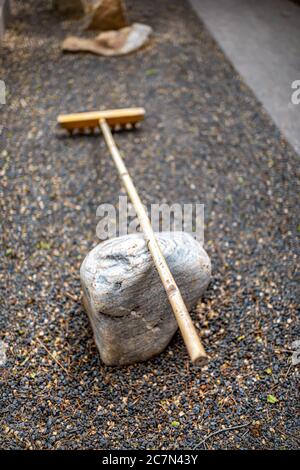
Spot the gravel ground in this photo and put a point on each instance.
(205, 140)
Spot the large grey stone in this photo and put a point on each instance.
(127, 305)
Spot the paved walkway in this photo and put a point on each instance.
(261, 38)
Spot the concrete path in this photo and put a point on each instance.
(261, 38)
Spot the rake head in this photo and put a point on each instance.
(115, 118)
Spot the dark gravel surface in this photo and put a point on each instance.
(206, 140)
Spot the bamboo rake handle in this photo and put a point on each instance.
(187, 328)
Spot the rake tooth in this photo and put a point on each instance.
(70, 131)
(127, 126)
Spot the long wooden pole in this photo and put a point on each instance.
(187, 328)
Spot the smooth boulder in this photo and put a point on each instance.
(127, 305)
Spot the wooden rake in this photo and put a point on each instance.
(124, 118)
